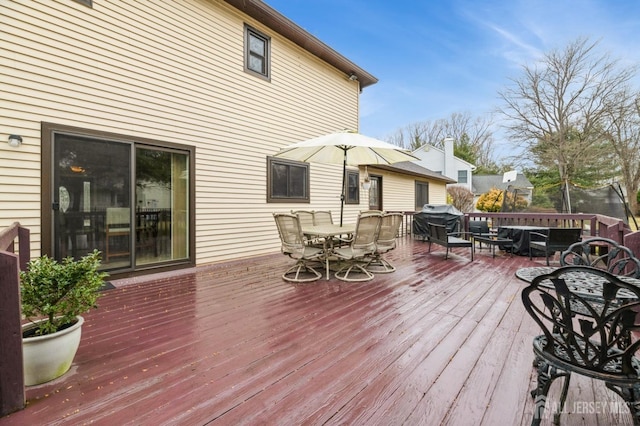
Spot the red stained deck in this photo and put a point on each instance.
(437, 342)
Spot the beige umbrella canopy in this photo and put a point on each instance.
(346, 148)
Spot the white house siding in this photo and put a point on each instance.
(436, 159)
(170, 71)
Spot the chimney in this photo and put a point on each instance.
(449, 163)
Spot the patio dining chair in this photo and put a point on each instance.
(602, 253)
(306, 220)
(294, 246)
(305, 217)
(322, 217)
(584, 335)
(361, 247)
(386, 241)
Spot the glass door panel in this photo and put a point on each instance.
(130, 201)
(375, 194)
(92, 199)
(161, 206)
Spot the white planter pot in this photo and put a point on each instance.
(48, 357)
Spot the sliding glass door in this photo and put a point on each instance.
(126, 199)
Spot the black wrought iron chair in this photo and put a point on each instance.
(602, 253)
(585, 335)
(361, 247)
(557, 239)
(386, 241)
(294, 246)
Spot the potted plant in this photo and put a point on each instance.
(53, 295)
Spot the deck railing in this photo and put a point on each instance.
(591, 224)
(11, 375)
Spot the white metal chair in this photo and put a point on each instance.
(294, 246)
(386, 241)
(361, 247)
(322, 217)
(305, 218)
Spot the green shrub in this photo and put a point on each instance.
(59, 291)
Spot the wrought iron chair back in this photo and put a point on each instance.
(602, 253)
(585, 336)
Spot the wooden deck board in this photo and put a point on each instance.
(437, 342)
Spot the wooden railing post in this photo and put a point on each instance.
(12, 396)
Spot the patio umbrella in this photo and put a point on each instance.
(346, 148)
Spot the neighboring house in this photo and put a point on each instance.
(148, 129)
(444, 162)
(485, 183)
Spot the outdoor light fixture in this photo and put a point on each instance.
(353, 77)
(15, 141)
(366, 183)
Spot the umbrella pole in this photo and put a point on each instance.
(344, 176)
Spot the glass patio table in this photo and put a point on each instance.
(327, 232)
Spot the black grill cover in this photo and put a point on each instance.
(442, 214)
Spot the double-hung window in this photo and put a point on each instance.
(352, 190)
(257, 48)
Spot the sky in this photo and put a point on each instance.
(434, 58)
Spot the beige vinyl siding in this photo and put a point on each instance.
(173, 72)
(437, 193)
(398, 190)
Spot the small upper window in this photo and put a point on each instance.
(352, 190)
(257, 46)
(462, 176)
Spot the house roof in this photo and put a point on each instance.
(484, 183)
(273, 19)
(410, 168)
(420, 152)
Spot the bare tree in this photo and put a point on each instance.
(623, 128)
(557, 109)
(461, 198)
(462, 127)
